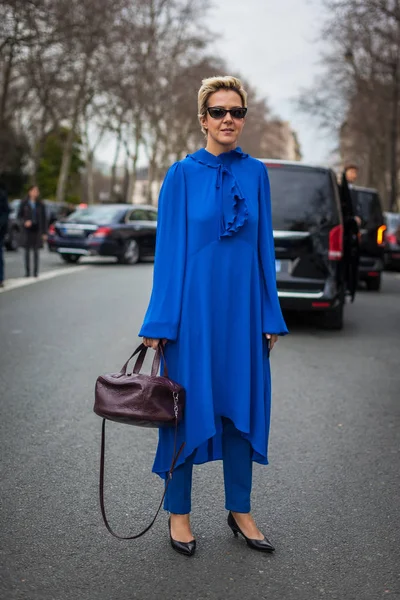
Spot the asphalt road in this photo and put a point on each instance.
(329, 500)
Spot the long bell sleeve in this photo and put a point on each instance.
(164, 311)
(272, 319)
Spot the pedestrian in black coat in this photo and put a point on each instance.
(351, 243)
(32, 215)
(4, 212)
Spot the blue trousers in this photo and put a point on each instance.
(238, 470)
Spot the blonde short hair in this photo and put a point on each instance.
(213, 84)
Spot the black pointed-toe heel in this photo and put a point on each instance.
(185, 548)
(260, 545)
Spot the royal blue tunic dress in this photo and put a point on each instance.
(214, 296)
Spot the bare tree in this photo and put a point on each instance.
(358, 94)
(96, 119)
(100, 69)
(88, 34)
(175, 40)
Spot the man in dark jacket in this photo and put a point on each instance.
(4, 212)
(351, 243)
(32, 214)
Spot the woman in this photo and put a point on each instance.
(215, 304)
(32, 214)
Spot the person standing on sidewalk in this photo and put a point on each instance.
(32, 214)
(4, 212)
(215, 306)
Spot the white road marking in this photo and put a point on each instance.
(12, 284)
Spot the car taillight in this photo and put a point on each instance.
(336, 243)
(52, 230)
(380, 235)
(391, 238)
(102, 232)
(320, 304)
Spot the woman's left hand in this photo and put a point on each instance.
(273, 338)
(153, 342)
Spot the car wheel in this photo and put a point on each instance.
(70, 258)
(131, 254)
(333, 320)
(374, 283)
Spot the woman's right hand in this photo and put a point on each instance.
(153, 342)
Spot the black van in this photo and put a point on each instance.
(367, 206)
(309, 240)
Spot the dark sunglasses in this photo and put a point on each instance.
(217, 112)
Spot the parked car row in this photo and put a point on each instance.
(327, 237)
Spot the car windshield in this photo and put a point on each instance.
(99, 215)
(301, 197)
(368, 207)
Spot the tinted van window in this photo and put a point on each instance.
(302, 198)
(367, 206)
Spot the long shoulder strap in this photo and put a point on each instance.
(175, 457)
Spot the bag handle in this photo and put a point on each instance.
(176, 455)
(156, 361)
(142, 350)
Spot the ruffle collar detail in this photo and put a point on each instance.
(234, 209)
(204, 157)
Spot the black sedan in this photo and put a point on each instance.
(127, 232)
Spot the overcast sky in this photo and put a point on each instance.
(272, 44)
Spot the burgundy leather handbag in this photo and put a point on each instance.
(142, 400)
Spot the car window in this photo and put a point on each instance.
(14, 204)
(392, 221)
(151, 216)
(98, 215)
(368, 207)
(301, 197)
(140, 214)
